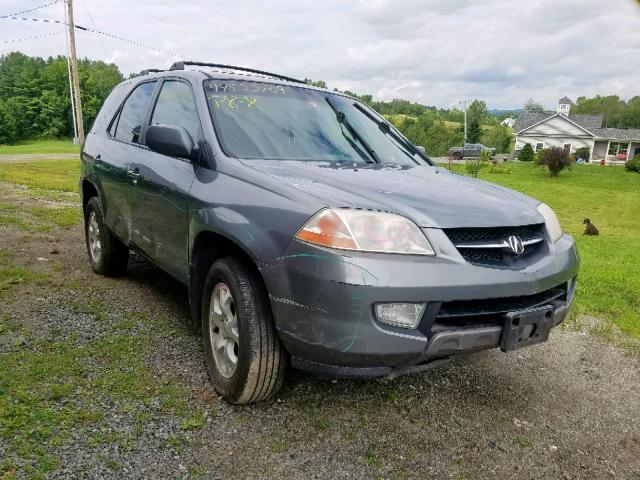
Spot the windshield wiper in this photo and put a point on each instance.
(387, 130)
(342, 120)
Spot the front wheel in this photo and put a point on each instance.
(245, 360)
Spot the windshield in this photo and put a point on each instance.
(256, 120)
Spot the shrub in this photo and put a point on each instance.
(583, 152)
(485, 155)
(526, 154)
(634, 164)
(556, 159)
(473, 167)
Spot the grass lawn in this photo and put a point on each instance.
(609, 278)
(65, 145)
(61, 175)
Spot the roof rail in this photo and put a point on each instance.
(181, 65)
(151, 70)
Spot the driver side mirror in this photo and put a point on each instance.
(170, 140)
(421, 149)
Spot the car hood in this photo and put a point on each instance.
(430, 196)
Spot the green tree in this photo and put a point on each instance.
(498, 137)
(526, 154)
(316, 83)
(34, 95)
(7, 124)
(611, 107)
(474, 131)
(583, 153)
(531, 106)
(477, 110)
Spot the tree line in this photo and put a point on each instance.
(438, 129)
(34, 95)
(35, 103)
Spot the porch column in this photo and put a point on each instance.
(606, 153)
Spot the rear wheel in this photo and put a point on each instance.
(457, 156)
(245, 360)
(107, 255)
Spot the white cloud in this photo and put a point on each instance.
(431, 51)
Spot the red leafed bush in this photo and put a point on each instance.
(556, 159)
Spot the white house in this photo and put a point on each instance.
(561, 129)
(508, 122)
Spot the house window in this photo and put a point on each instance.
(624, 148)
(613, 148)
(567, 147)
(539, 146)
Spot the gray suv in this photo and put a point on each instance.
(310, 232)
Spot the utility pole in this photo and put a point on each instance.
(74, 72)
(464, 105)
(73, 103)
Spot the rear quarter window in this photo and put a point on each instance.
(110, 106)
(129, 123)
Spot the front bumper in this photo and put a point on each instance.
(323, 304)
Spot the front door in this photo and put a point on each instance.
(160, 201)
(114, 154)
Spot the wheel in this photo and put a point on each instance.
(245, 360)
(107, 255)
(457, 156)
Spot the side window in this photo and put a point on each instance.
(176, 106)
(133, 113)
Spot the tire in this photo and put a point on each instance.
(111, 256)
(243, 329)
(457, 156)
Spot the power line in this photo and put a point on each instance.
(104, 49)
(30, 10)
(132, 42)
(99, 32)
(44, 20)
(32, 37)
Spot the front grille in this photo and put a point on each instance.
(460, 315)
(484, 246)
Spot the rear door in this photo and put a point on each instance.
(160, 199)
(112, 162)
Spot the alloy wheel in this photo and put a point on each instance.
(223, 330)
(93, 234)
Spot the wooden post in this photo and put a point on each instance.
(74, 72)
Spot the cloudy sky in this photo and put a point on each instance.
(433, 52)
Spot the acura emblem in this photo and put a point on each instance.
(515, 244)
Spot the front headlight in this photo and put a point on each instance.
(365, 231)
(551, 221)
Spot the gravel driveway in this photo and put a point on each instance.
(566, 409)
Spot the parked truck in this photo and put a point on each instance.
(469, 150)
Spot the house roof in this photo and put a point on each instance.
(526, 120)
(618, 133)
(565, 100)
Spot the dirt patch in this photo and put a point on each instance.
(565, 409)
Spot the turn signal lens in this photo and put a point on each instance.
(327, 229)
(366, 231)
